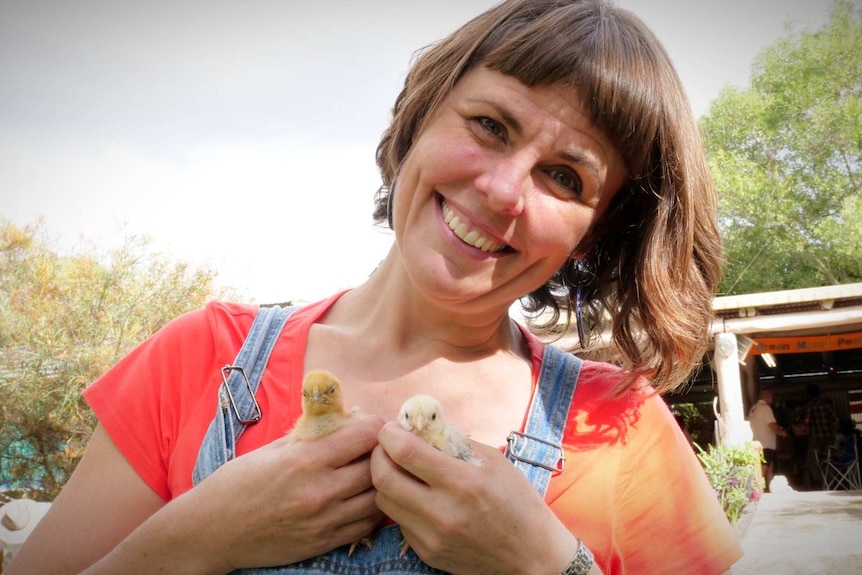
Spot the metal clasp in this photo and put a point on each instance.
(510, 442)
(256, 413)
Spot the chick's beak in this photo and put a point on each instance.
(419, 423)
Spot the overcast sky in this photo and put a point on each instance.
(240, 134)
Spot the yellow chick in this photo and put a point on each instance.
(323, 412)
(322, 407)
(423, 415)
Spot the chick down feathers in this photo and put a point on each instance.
(323, 408)
(423, 416)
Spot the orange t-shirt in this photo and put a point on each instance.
(632, 488)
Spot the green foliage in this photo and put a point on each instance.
(63, 321)
(698, 419)
(786, 155)
(733, 472)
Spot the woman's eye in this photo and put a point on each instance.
(493, 127)
(567, 180)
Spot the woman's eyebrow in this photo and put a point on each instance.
(505, 114)
(586, 160)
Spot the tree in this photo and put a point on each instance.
(786, 156)
(63, 321)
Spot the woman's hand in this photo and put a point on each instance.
(285, 502)
(466, 519)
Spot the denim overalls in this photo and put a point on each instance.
(536, 451)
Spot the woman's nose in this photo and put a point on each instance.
(505, 184)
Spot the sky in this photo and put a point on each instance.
(240, 134)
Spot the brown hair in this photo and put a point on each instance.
(655, 255)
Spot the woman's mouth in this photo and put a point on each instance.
(472, 237)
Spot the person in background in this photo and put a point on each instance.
(846, 441)
(543, 153)
(822, 424)
(799, 435)
(766, 430)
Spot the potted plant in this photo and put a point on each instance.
(734, 472)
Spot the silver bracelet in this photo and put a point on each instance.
(581, 563)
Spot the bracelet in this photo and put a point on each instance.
(581, 563)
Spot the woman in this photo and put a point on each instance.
(544, 151)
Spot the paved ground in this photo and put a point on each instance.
(803, 533)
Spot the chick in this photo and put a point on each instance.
(322, 407)
(323, 412)
(423, 416)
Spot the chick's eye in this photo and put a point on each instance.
(433, 417)
(493, 127)
(331, 390)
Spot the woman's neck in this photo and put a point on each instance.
(388, 306)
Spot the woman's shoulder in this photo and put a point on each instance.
(601, 383)
(217, 320)
(218, 313)
(601, 414)
(200, 337)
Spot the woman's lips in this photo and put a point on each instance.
(460, 226)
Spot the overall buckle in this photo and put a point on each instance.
(256, 413)
(555, 469)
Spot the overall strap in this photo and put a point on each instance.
(237, 407)
(538, 451)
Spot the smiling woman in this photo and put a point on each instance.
(640, 124)
(522, 168)
(540, 139)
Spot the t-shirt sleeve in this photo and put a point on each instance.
(669, 518)
(144, 399)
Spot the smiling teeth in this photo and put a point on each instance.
(468, 236)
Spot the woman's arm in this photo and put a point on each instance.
(103, 501)
(276, 505)
(466, 519)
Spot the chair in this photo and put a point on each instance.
(839, 467)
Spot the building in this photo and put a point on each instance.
(784, 340)
(787, 340)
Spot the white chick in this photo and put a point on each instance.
(423, 415)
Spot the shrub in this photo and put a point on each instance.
(64, 319)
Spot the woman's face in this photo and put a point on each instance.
(499, 188)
